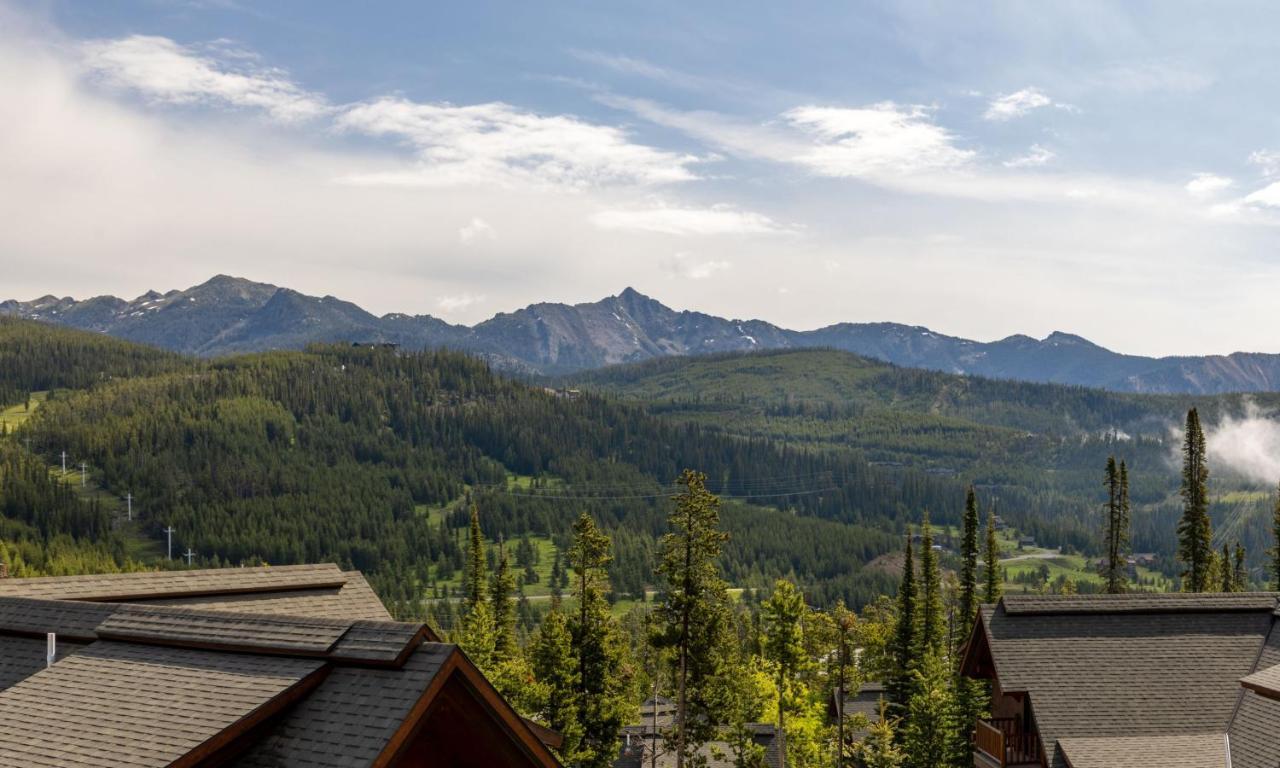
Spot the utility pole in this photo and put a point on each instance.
(188, 554)
(84, 477)
(128, 500)
(169, 531)
(64, 462)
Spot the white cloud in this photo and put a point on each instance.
(682, 265)
(1268, 196)
(453, 303)
(1207, 185)
(878, 140)
(1151, 76)
(1249, 446)
(164, 71)
(716, 220)
(497, 143)
(1016, 104)
(476, 229)
(1035, 157)
(1266, 159)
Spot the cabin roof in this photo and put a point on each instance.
(299, 590)
(141, 684)
(1126, 666)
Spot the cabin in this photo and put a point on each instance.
(244, 667)
(643, 745)
(1123, 681)
(860, 709)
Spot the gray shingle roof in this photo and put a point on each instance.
(382, 642)
(122, 587)
(1148, 666)
(75, 620)
(1255, 729)
(1171, 751)
(219, 629)
(118, 704)
(353, 600)
(348, 720)
(1140, 602)
(22, 657)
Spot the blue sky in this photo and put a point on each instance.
(983, 169)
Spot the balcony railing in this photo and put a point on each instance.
(1003, 741)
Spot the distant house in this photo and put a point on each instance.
(863, 703)
(247, 667)
(642, 740)
(1129, 681)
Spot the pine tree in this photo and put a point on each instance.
(968, 608)
(1117, 527)
(880, 747)
(1224, 570)
(1275, 535)
(991, 562)
(1240, 575)
(504, 608)
(904, 637)
(931, 715)
(784, 643)
(557, 576)
(557, 669)
(931, 632)
(694, 611)
(477, 579)
(600, 648)
(1195, 532)
(846, 622)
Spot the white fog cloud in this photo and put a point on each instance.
(1249, 446)
(1035, 157)
(684, 265)
(448, 305)
(1018, 104)
(1207, 185)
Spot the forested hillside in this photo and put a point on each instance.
(1035, 449)
(343, 453)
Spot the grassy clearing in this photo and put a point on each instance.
(15, 415)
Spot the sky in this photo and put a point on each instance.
(983, 169)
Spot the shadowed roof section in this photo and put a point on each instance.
(119, 704)
(354, 600)
(179, 626)
(124, 587)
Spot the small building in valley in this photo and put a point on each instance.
(249, 667)
(1129, 681)
(643, 743)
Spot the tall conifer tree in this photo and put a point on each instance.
(477, 564)
(556, 668)
(932, 628)
(599, 648)
(904, 637)
(991, 561)
(1195, 532)
(1275, 550)
(784, 643)
(504, 608)
(968, 608)
(695, 612)
(1240, 574)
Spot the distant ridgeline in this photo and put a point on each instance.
(228, 315)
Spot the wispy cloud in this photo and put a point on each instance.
(1019, 104)
(716, 220)
(164, 71)
(1035, 157)
(1267, 160)
(497, 143)
(456, 302)
(684, 265)
(876, 140)
(476, 229)
(1207, 185)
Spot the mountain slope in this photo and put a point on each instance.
(226, 315)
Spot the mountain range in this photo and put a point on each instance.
(228, 315)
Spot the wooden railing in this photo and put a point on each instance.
(1004, 741)
(989, 740)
